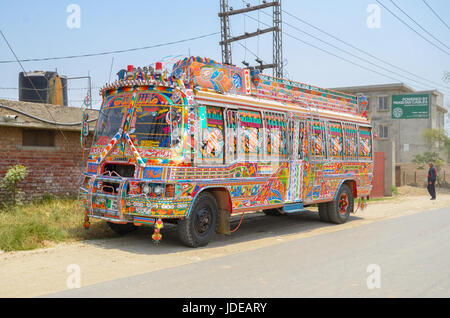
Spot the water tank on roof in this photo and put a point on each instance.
(43, 87)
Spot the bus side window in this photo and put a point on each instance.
(251, 130)
(275, 135)
(335, 140)
(301, 140)
(232, 133)
(212, 136)
(365, 143)
(350, 141)
(318, 145)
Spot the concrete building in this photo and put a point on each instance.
(405, 130)
(46, 139)
(399, 116)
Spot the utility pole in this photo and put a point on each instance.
(226, 12)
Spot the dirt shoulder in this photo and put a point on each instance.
(43, 271)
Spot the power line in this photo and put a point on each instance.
(412, 29)
(363, 51)
(112, 52)
(356, 56)
(419, 24)
(347, 52)
(437, 15)
(338, 56)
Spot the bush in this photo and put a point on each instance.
(15, 174)
(394, 190)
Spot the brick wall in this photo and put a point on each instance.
(378, 176)
(54, 170)
(409, 174)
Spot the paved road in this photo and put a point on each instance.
(412, 254)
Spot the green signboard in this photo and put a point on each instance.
(410, 106)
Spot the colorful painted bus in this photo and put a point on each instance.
(207, 141)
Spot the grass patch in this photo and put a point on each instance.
(50, 220)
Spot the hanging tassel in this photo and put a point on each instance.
(86, 224)
(156, 234)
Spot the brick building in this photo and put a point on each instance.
(46, 139)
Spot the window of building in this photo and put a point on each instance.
(383, 131)
(383, 103)
(38, 138)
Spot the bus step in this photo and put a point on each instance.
(294, 207)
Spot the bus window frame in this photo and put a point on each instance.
(266, 156)
(361, 159)
(229, 157)
(324, 156)
(199, 160)
(242, 156)
(345, 157)
(329, 156)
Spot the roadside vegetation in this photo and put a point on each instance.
(38, 224)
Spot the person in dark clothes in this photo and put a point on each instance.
(431, 181)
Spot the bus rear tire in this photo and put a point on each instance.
(323, 212)
(122, 228)
(274, 212)
(199, 227)
(339, 209)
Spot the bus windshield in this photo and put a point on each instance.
(109, 122)
(157, 126)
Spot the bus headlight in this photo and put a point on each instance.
(146, 189)
(158, 190)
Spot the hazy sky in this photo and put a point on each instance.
(38, 29)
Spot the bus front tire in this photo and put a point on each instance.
(339, 209)
(199, 227)
(122, 228)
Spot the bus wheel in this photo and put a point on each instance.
(122, 228)
(199, 227)
(274, 212)
(339, 209)
(323, 212)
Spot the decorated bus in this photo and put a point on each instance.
(206, 141)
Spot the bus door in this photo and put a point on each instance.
(296, 133)
(317, 156)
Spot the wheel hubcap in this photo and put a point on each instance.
(343, 203)
(203, 221)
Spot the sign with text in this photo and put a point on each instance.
(410, 106)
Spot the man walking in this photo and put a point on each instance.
(431, 181)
